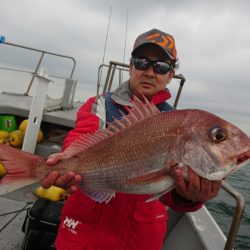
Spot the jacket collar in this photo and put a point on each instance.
(123, 94)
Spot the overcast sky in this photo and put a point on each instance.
(212, 39)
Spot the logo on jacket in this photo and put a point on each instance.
(71, 224)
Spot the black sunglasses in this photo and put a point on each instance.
(159, 67)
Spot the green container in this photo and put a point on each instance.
(8, 123)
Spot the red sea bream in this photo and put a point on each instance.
(136, 153)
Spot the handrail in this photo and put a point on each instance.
(110, 74)
(30, 72)
(240, 205)
(43, 52)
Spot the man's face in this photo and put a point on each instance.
(147, 82)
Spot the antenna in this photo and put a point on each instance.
(105, 46)
(125, 44)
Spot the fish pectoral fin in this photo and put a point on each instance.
(149, 177)
(99, 196)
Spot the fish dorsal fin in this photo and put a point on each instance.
(139, 111)
(83, 142)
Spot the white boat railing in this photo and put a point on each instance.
(43, 53)
(70, 84)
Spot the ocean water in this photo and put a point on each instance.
(223, 207)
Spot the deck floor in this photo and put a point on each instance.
(11, 235)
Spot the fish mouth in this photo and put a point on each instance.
(243, 157)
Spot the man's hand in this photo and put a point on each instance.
(196, 188)
(68, 181)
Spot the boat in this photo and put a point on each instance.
(190, 231)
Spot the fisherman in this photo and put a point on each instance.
(127, 221)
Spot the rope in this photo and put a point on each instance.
(13, 212)
(17, 213)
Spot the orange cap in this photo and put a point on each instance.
(158, 38)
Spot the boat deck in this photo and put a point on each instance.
(11, 235)
(19, 104)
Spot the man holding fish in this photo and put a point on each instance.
(127, 221)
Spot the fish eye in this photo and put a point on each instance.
(218, 135)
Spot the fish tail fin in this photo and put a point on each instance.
(12, 173)
(16, 166)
